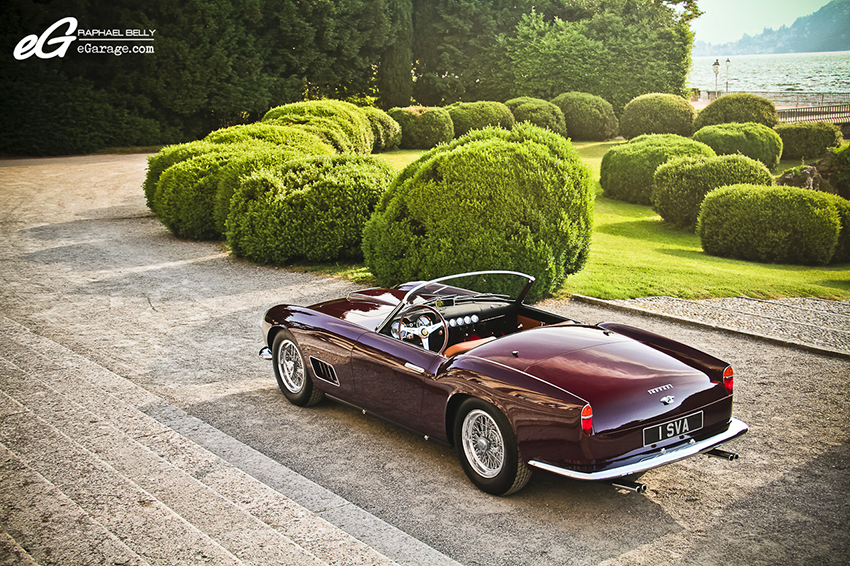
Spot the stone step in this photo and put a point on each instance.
(41, 525)
(200, 507)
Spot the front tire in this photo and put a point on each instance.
(487, 449)
(292, 376)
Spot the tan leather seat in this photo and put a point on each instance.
(462, 347)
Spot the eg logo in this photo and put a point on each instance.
(34, 45)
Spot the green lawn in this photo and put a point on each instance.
(635, 254)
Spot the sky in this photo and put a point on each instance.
(728, 20)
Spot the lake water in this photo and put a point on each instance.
(790, 72)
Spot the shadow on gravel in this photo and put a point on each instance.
(419, 486)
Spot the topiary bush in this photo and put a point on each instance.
(680, 185)
(312, 209)
(468, 116)
(748, 138)
(808, 140)
(231, 173)
(738, 107)
(627, 170)
(588, 117)
(538, 112)
(322, 113)
(185, 193)
(422, 127)
(493, 199)
(271, 132)
(387, 131)
(770, 224)
(657, 113)
(168, 156)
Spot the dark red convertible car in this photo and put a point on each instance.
(464, 361)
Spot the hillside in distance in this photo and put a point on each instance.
(828, 29)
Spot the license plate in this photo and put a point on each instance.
(671, 429)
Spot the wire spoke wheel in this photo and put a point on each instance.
(483, 443)
(291, 373)
(291, 367)
(487, 448)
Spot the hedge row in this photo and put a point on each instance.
(192, 187)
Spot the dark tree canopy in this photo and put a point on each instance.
(227, 62)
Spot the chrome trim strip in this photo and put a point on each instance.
(736, 429)
(415, 368)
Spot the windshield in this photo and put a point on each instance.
(501, 285)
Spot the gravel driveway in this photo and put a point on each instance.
(85, 264)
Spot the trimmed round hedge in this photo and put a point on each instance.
(185, 194)
(271, 132)
(344, 116)
(168, 156)
(627, 170)
(312, 209)
(493, 199)
(738, 107)
(770, 224)
(808, 140)
(747, 138)
(387, 131)
(588, 117)
(538, 112)
(230, 174)
(423, 127)
(680, 185)
(657, 113)
(468, 116)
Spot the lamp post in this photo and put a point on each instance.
(728, 62)
(716, 67)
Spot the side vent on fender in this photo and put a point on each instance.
(324, 371)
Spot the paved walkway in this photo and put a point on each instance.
(89, 476)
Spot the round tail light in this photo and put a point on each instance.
(587, 419)
(729, 379)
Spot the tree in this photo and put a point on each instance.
(394, 79)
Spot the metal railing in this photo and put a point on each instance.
(835, 113)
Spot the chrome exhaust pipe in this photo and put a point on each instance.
(718, 453)
(630, 485)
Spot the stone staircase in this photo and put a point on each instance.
(88, 478)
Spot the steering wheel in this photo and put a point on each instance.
(423, 327)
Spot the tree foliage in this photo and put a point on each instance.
(222, 63)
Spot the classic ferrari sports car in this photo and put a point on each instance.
(464, 361)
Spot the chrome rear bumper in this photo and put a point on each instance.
(736, 429)
(265, 353)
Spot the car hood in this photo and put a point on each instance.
(624, 380)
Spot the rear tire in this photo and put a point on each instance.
(291, 373)
(487, 449)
